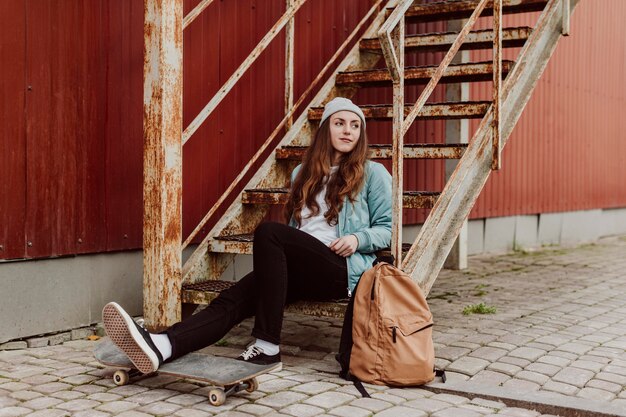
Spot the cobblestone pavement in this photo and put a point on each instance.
(558, 336)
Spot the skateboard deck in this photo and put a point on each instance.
(229, 375)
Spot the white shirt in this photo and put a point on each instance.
(317, 226)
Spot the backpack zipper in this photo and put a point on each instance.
(395, 328)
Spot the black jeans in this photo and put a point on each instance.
(289, 265)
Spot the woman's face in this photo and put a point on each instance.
(345, 131)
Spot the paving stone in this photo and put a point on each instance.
(8, 402)
(57, 339)
(117, 407)
(283, 399)
(159, 408)
(187, 412)
(254, 409)
(560, 387)
(302, 410)
(401, 411)
(527, 353)
(51, 387)
(488, 377)
(595, 394)
(182, 387)
(90, 413)
(128, 390)
(494, 405)
(518, 412)
(543, 368)
(490, 354)
(467, 365)
(504, 368)
(104, 397)
(576, 348)
(151, 396)
(40, 379)
(14, 386)
(41, 403)
(133, 413)
(68, 395)
(521, 385)
(451, 353)
(532, 377)
(313, 388)
(522, 363)
(554, 360)
(78, 405)
(37, 342)
(19, 345)
(574, 376)
(83, 333)
(409, 393)
(371, 404)
(53, 413)
(329, 399)
(427, 404)
(384, 396)
(24, 395)
(186, 399)
(349, 411)
(605, 385)
(456, 412)
(277, 384)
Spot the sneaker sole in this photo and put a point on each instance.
(120, 327)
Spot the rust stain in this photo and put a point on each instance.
(464, 8)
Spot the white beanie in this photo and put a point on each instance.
(338, 104)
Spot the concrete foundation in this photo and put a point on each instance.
(51, 295)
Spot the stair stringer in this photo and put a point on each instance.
(440, 230)
(240, 218)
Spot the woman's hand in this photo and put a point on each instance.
(344, 246)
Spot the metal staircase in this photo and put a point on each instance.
(422, 259)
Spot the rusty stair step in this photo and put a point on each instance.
(475, 71)
(206, 291)
(461, 9)
(450, 110)
(412, 199)
(242, 244)
(411, 151)
(432, 42)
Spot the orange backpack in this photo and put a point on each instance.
(391, 330)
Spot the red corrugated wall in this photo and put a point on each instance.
(568, 150)
(70, 145)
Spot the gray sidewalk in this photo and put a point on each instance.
(555, 345)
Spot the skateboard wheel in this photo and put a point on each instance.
(253, 385)
(120, 378)
(217, 397)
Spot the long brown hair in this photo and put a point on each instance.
(314, 172)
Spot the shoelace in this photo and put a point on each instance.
(251, 352)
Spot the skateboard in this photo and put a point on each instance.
(228, 375)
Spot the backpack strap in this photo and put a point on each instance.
(358, 385)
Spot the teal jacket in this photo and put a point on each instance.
(368, 218)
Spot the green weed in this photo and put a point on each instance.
(481, 308)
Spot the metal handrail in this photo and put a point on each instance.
(245, 65)
(402, 123)
(283, 123)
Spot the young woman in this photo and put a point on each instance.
(339, 212)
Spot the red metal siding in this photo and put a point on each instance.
(567, 151)
(12, 134)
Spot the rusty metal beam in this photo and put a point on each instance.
(411, 151)
(196, 12)
(459, 110)
(289, 57)
(481, 71)
(479, 39)
(273, 196)
(162, 160)
(496, 160)
(428, 253)
(460, 9)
